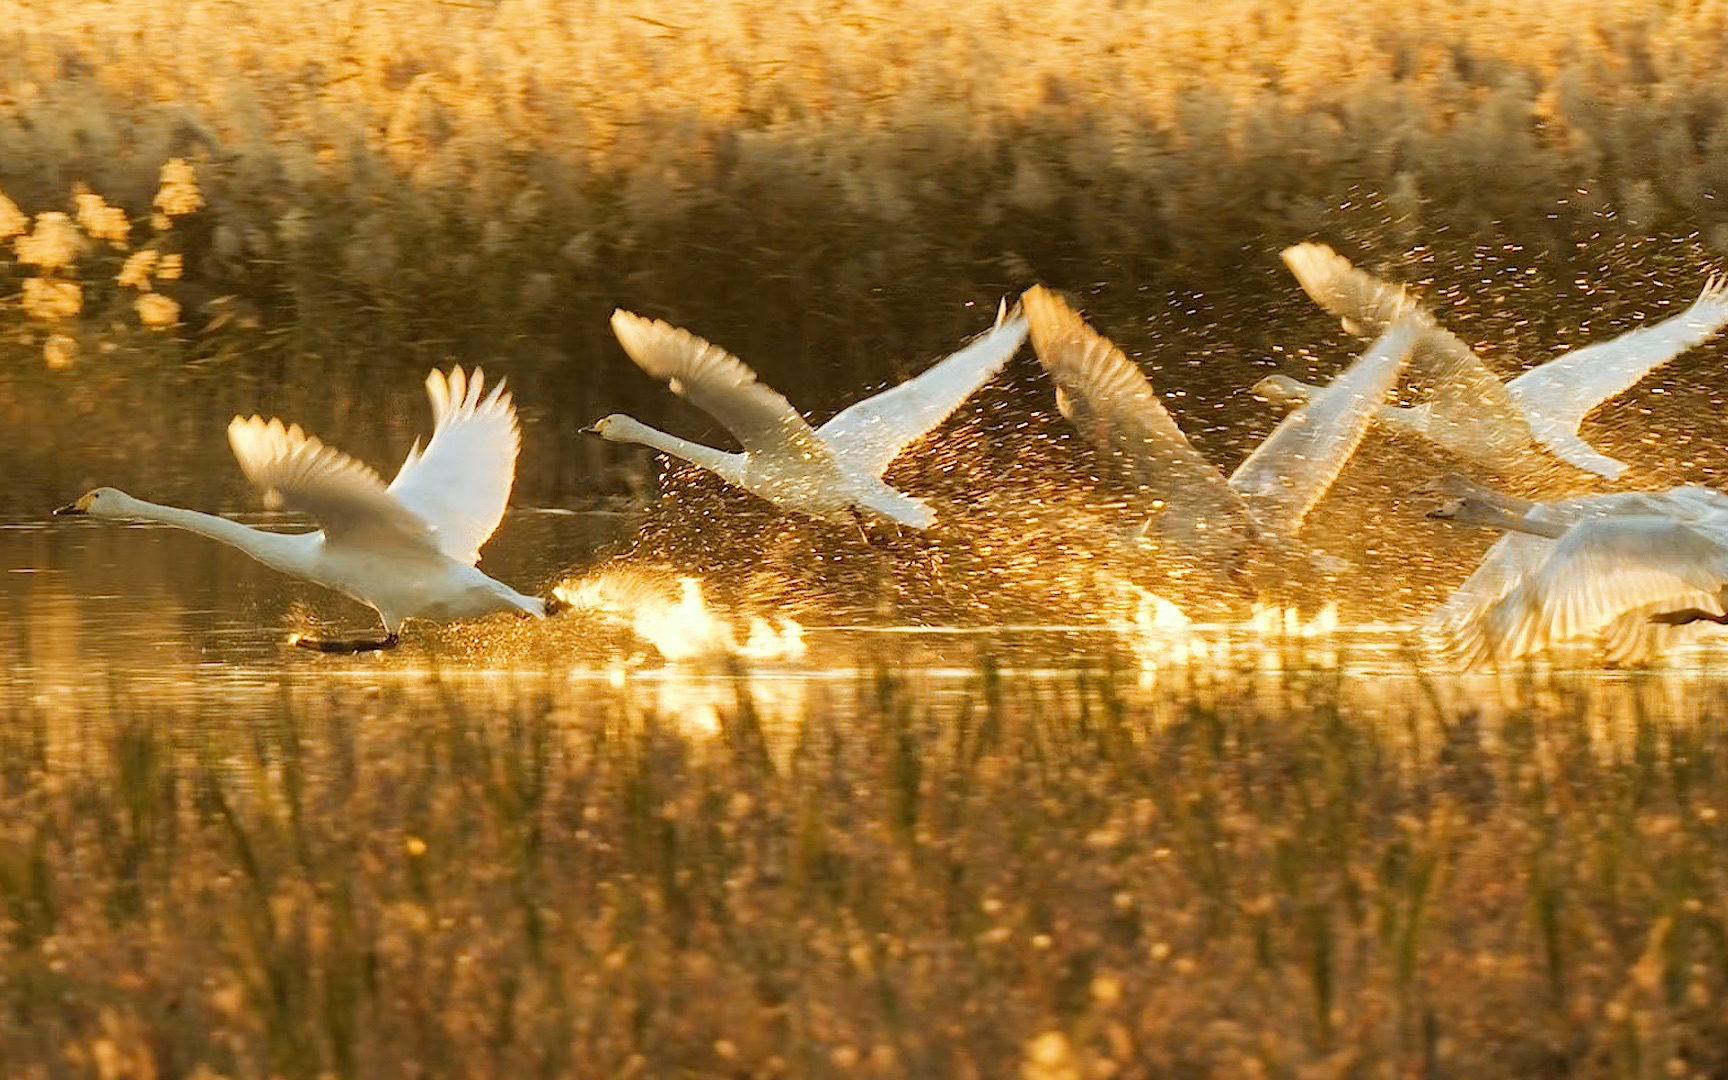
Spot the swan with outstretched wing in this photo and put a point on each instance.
(832, 472)
(1518, 426)
(407, 550)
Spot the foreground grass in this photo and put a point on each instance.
(1036, 879)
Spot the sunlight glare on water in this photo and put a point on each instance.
(679, 622)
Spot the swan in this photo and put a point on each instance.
(407, 550)
(1513, 426)
(1197, 510)
(832, 472)
(1635, 568)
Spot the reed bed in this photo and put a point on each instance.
(1061, 878)
(837, 192)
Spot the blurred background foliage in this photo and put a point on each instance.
(837, 192)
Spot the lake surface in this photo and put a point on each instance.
(147, 612)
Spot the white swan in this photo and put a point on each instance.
(406, 551)
(831, 472)
(1196, 509)
(1503, 425)
(1634, 568)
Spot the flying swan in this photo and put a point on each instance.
(832, 472)
(406, 551)
(1638, 570)
(1505, 426)
(1196, 510)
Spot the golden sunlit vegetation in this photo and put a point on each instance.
(386, 186)
(1045, 879)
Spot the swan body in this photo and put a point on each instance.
(407, 550)
(1518, 426)
(1196, 509)
(1618, 566)
(831, 472)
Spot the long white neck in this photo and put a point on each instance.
(282, 551)
(727, 466)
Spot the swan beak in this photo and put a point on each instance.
(70, 510)
(591, 429)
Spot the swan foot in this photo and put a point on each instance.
(555, 605)
(346, 645)
(1687, 615)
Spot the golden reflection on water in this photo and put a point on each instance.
(149, 619)
(670, 613)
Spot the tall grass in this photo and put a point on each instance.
(821, 188)
(1054, 878)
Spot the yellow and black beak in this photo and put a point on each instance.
(70, 510)
(591, 429)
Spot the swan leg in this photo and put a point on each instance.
(1687, 615)
(858, 520)
(347, 645)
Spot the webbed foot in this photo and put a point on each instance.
(346, 645)
(1687, 615)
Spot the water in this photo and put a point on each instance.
(157, 614)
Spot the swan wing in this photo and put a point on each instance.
(1685, 503)
(1365, 304)
(1458, 626)
(1568, 388)
(1601, 570)
(460, 483)
(297, 471)
(872, 433)
(721, 385)
(1633, 639)
(1108, 399)
(1297, 464)
(1470, 404)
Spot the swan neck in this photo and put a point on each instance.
(268, 548)
(727, 465)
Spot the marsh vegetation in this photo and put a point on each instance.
(830, 191)
(1073, 875)
(519, 850)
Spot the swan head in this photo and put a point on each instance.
(1283, 390)
(615, 428)
(103, 502)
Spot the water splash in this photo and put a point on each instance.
(1159, 632)
(1273, 621)
(1163, 636)
(671, 614)
(684, 629)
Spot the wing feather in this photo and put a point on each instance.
(1568, 388)
(1470, 405)
(1111, 403)
(1298, 463)
(297, 471)
(721, 385)
(1461, 626)
(459, 483)
(871, 434)
(1602, 570)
